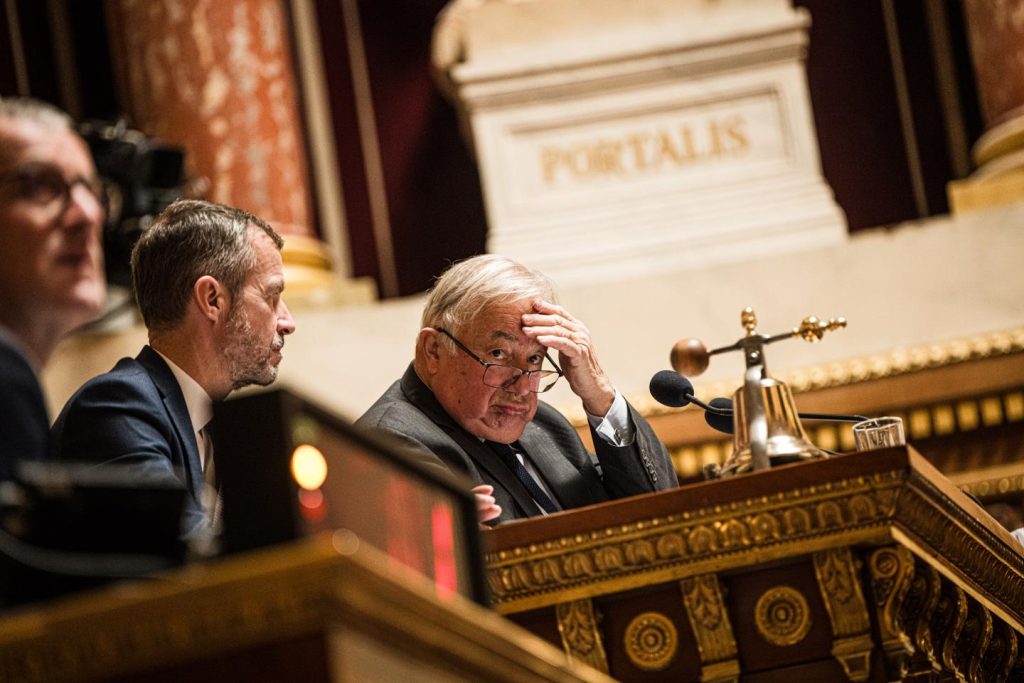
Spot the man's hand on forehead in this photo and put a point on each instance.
(554, 327)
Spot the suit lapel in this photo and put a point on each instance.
(174, 400)
(423, 398)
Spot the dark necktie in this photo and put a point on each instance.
(508, 455)
(211, 492)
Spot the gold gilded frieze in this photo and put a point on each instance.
(698, 541)
(908, 502)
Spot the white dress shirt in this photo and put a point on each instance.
(199, 404)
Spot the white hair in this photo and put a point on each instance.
(477, 283)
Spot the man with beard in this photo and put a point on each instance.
(52, 277)
(208, 280)
(469, 400)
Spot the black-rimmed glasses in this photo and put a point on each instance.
(43, 184)
(504, 376)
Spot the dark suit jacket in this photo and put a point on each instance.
(409, 411)
(135, 416)
(24, 423)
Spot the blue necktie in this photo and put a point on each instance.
(508, 455)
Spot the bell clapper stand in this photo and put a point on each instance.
(766, 429)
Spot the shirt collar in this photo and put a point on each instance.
(198, 402)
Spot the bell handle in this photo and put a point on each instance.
(811, 329)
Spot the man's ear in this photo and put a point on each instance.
(211, 298)
(428, 348)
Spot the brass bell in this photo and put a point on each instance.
(766, 428)
(782, 435)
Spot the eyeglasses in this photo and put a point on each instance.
(44, 185)
(504, 376)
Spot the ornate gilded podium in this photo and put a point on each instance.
(865, 567)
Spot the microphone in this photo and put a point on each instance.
(718, 421)
(723, 408)
(671, 389)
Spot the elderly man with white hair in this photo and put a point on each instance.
(469, 399)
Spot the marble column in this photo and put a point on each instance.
(996, 34)
(217, 78)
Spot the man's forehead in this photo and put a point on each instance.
(12, 144)
(497, 335)
(519, 338)
(267, 273)
(24, 140)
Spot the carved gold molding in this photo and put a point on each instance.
(705, 540)
(939, 593)
(581, 636)
(851, 625)
(994, 578)
(804, 520)
(709, 620)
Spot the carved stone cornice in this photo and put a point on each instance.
(872, 498)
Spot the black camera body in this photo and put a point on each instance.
(143, 176)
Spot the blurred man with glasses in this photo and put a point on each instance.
(469, 399)
(52, 277)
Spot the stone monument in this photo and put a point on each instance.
(619, 138)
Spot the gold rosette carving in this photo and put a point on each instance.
(782, 616)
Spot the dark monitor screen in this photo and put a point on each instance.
(288, 468)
